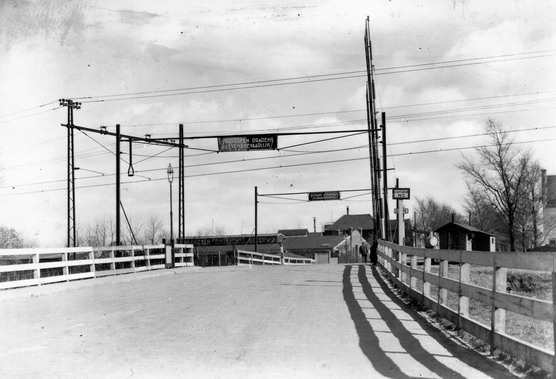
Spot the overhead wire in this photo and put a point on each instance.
(313, 78)
(346, 160)
(303, 153)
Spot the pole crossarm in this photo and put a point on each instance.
(308, 192)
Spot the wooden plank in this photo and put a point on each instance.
(19, 283)
(536, 356)
(81, 275)
(475, 328)
(534, 308)
(19, 267)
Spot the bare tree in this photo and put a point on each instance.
(482, 214)
(153, 233)
(432, 214)
(10, 238)
(503, 174)
(101, 233)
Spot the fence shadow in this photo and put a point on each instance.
(369, 343)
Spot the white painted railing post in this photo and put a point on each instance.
(113, 263)
(442, 292)
(92, 259)
(427, 269)
(37, 270)
(65, 268)
(413, 279)
(498, 315)
(464, 278)
(133, 258)
(554, 307)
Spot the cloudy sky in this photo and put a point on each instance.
(234, 67)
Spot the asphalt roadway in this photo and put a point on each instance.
(325, 321)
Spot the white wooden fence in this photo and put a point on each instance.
(409, 277)
(245, 257)
(31, 267)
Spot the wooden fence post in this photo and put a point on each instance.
(412, 279)
(554, 307)
(442, 292)
(427, 269)
(464, 278)
(37, 271)
(498, 315)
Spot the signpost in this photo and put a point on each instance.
(322, 196)
(400, 193)
(248, 143)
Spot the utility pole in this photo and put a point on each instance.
(71, 105)
(118, 139)
(373, 138)
(181, 190)
(256, 215)
(385, 181)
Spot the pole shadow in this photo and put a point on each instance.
(409, 342)
(368, 340)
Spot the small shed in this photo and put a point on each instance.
(456, 236)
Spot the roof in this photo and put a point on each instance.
(466, 228)
(346, 222)
(312, 241)
(293, 232)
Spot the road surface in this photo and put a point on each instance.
(318, 321)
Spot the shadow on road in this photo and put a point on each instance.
(369, 342)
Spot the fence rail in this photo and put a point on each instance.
(31, 267)
(245, 257)
(401, 265)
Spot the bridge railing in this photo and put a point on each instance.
(410, 270)
(30, 267)
(245, 257)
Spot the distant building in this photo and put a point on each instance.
(322, 248)
(549, 208)
(456, 236)
(362, 223)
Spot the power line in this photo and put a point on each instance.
(303, 153)
(277, 167)
(312, 78)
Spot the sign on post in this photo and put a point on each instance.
(400, 193)
(248, 143)
(320, 196)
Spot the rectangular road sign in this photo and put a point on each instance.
(320, 196)
(400, 193)
(248, 143)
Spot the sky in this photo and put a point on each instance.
(244, 67)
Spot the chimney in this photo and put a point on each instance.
(453, 217)
(347, 211)
(314, 224)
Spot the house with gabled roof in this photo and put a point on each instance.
(456, 236)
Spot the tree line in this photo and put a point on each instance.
(504, 194)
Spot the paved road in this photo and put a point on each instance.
(325, 321)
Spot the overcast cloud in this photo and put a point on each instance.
(92, 50)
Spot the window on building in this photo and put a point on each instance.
(552, 242)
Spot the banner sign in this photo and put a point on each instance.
(231, 240)
(400, 193)
(321, 196)
(248, 143)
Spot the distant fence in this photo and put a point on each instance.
(245, 257)
(416, 282)
(31, 267)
